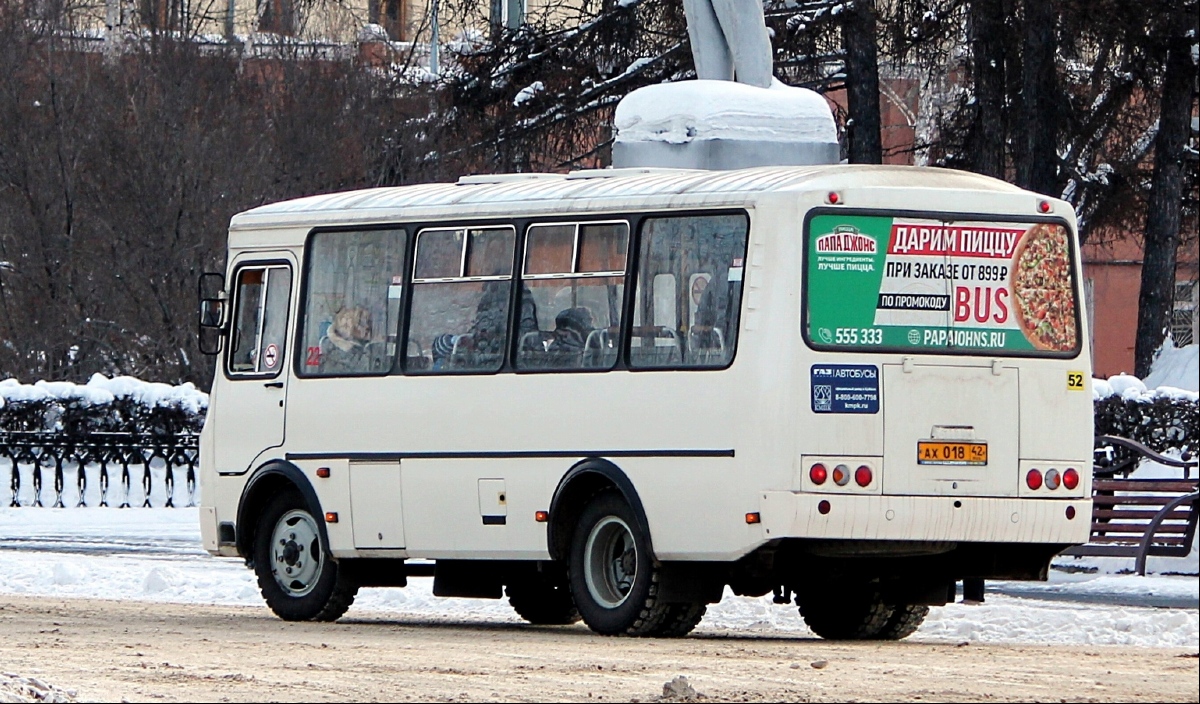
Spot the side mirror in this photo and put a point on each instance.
(212, 313)
(212, 295)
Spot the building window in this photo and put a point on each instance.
(1183, 316)
(277, 17)
(392, 19)
(163, 14)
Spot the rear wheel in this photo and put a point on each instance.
(679, 620)
(614, 580)
(904, 621)
(543, 599)
(297, 576)
(845, 611)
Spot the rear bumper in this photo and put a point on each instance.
(788, 514)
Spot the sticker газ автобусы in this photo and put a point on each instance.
(845, 388)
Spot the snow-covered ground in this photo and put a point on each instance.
(154, 555)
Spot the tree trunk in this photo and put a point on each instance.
(862, 83)
(1037, 140)
(1166, 202)
(986, 142)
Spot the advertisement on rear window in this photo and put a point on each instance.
(926, 284)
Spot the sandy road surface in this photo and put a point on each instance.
(164, 652)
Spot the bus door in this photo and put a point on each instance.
(253, 394)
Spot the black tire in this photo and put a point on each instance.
(543, 599)
(628, 606)
(904, 621)
(321, 591)
(844, 612)
(680, 620)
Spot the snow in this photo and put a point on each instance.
(101, 389)
(528, 92)
(678, 113)
(1177, 367)
(1173, 376)
(153, 555)
(371, 32)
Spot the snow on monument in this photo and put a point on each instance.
(735, 115)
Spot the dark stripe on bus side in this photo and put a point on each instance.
(547, 454)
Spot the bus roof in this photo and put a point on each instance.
(520, 194)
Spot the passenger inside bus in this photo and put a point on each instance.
(572, 328)
(344, 349)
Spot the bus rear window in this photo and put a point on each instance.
(892, 283)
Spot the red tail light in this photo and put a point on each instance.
(862, 475)
(1070, 478)
(818, 474)
(1034, 479)
(1052, 479)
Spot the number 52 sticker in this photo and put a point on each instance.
(1075, 381)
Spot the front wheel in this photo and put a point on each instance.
(615, 582)
(297, 576)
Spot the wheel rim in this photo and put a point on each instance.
(610, 562)
(296, 553)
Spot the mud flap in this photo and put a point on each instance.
(691, 582)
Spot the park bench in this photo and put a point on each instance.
(1134, 517)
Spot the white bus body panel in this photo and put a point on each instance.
(435, 504)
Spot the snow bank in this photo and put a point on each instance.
(1174, 375)
(678, 113)
(1177, 367)
(1131, 388)
(101, 390)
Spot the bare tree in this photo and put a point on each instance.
(1163, 217)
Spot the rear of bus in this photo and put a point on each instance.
(948, 427)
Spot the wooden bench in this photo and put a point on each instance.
(1139, 517)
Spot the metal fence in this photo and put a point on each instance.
(84, 470)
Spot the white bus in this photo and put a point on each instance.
(614, 394)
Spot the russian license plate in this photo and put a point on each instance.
(969, 453)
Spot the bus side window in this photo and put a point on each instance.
(689, 291)
(260, 321)
(352, 304)
(243, 353)
(462, 284)
(572, 287)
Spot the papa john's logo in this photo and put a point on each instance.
(846, 239)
